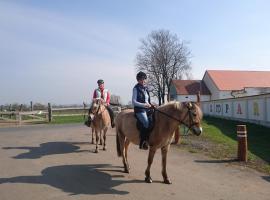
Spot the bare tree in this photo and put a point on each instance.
(163, 57)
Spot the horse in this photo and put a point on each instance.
(101, 120)
(167, 118)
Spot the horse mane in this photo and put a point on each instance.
(172, 104)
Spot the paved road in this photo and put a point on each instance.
(57, 162)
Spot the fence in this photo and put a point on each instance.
(254, 109)
(41, 116)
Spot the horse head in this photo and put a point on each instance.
(96, 106)
(192, 117)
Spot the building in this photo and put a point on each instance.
(224, 84)
(221, 84)
(187, 90)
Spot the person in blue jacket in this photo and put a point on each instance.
(142, 102)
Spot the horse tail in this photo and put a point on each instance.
(119, 152)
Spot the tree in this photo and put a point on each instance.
(163, 57)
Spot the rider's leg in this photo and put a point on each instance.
(111, 115)
(143, 130)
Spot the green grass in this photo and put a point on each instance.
(219, 141)
(67, 119)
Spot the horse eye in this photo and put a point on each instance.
(194, 114)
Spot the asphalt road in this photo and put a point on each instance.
(57, 162)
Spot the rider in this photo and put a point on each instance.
(102, 93)
(141, 102)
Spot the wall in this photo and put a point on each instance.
(255, 109)
(183, 98)
(211, 86)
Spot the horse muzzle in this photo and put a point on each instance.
(196, 130)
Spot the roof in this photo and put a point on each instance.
(190, 87)
(238, 80)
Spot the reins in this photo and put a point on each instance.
(174, 118)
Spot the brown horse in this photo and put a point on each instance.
(101, 121)
(167, 118)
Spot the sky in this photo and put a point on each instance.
(55, 50)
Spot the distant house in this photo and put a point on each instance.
(224, 84)
(187, 90)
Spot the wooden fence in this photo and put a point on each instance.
(43, 116)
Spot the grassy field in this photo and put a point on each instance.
(219, 141)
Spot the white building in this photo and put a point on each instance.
(224, 84)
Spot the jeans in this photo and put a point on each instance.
(142, 116)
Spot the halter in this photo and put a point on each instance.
(191, 122)
(97, 109)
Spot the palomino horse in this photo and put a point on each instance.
(101, 121)
(167, 118)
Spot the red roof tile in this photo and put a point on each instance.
(190, 87)
(238, 80)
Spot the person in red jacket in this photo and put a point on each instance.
(102, 93)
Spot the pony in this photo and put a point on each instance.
(167, 118)
(100, 121)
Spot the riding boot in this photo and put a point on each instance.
(111, 115)
(143, 138)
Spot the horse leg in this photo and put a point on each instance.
(100, 138)
(93, 135)
(97, 139)
(164, 151)
(127, 142)
(104, 139)
(151, 154)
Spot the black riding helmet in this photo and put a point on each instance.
(141, 76)
(100, 81)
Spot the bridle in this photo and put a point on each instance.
(189, 113)
(90, 111)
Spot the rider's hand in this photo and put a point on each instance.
(146, 105)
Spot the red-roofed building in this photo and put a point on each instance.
(187, 90)
(225, 84)
(221, 84)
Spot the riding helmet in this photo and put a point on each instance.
(141, 76)
(100, 81)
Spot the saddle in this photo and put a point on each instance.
(151, 117)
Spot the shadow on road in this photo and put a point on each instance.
(49, 148)
(267, 178)
(217, 161)
(77, 179)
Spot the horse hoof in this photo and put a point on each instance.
(96, 151)
(167, 181)
(126, 170)
(148, 179)
(92, 142)
(104, 148)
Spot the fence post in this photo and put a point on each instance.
(1, 110)
(242, 142)
(49, 112)
(31, 106)
(10, 111)
(84, 110)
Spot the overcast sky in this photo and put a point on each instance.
(55, 50)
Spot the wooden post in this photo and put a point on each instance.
(49, 112)
(84, 110)
(242, 142)
(20, 107)
(31, 106)
(10, 111)
(1, 110)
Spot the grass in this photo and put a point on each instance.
(219, 141)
